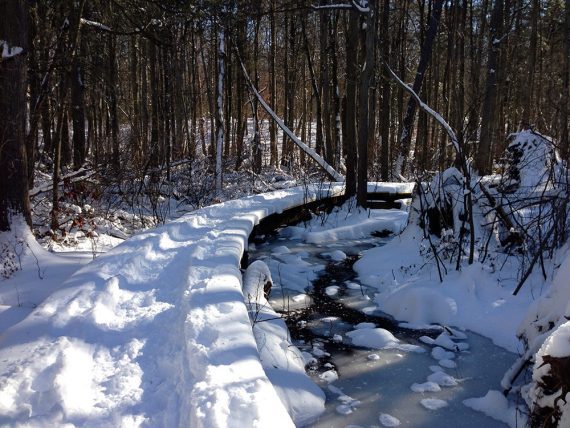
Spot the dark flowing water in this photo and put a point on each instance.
(322, 300)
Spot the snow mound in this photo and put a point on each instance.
(389, 420)
(495, 405)
(433, 403)
(283, 363)
(425, 387)
(376, 338)
(419, 305)
(379, 220)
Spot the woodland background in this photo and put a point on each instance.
(131, 90)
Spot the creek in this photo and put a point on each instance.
(410, 383)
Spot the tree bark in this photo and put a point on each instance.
(14, 199)
(350, 111)
(368, 32)
(386, 94)
(489, 108)
(220, 109)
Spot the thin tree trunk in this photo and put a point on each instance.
(220, 109)
(274, 155)
(368, 33)
(78, 110)
(350, 111)
(386, 94)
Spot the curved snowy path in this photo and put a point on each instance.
(154, 332)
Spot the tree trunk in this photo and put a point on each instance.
(368, 33)
(14, 199)
(489, 108)
(220, 109)
(385, 92)
(408, 121)
(565, 96)
(274, 155)
(78, 110)
(350, 111)
(112, 88)
(528, 87)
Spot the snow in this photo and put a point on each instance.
(95, 24)
(282, 361)
(159, 332)
(442, 379)
(416, 296)
(433, 403)
(379, 220)
(337, 255)
(495, 405)
(377, 338)
(10, 51)
(154, 332)
(389, 420)
(425, 387)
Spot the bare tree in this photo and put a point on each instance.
(13, 46)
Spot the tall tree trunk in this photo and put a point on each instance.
(385, 92)
(241, 118)
(528, 87)
(257, 161)
(337, 134)
(368, 35)
(220, 109)
(565, 96)
(274, 161)
(408, 122)
(153, 150)
(13, 163)
(78, 109)
(34, 88)
(113, 113)
(315, 88)
(489, 108)
(350, 111)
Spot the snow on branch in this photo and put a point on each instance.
(354, 5)
(332, 7)
(95, 24)
(360, 7)
(427, 109)
(310, 152)
(9, 51)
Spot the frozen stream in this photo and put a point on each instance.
(365, 386)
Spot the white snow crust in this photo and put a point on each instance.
(155, 332)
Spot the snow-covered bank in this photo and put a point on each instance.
(473, 298)
(154, 332)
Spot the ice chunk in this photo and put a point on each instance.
(389, 420)
(433, 403)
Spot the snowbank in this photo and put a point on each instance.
(409, 289)
(282, 361)
(153, 332)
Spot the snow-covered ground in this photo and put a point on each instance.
(157, 331)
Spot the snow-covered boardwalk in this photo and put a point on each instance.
(154, 332)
